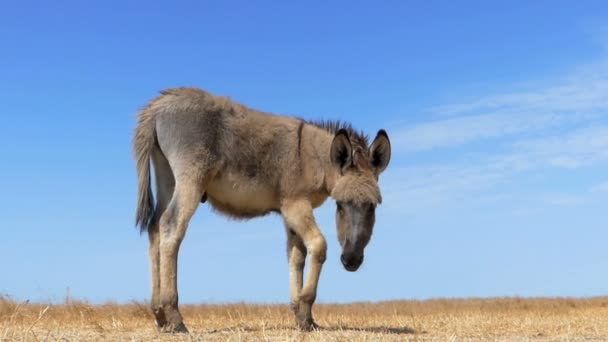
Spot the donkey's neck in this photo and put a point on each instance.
(319, 146)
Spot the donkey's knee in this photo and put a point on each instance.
(308, 296)
(318, 249)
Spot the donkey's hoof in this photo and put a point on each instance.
(179, 328)
(159, 318)
(308, 325)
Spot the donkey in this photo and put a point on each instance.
(247, 163)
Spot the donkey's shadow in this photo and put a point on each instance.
(376, 330)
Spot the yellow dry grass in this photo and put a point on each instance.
(501, 319)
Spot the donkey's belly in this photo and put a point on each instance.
(241, 196)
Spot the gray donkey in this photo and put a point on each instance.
(247, 163)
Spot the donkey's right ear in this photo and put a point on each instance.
(341, 152)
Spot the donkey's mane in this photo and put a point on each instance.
(357, 137)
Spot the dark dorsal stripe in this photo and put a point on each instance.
(300, 128)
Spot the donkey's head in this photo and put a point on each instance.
(356, 192)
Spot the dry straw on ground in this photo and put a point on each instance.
(506, 319)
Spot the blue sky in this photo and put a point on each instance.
(498, 117)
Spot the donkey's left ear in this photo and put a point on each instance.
(341, 151)
(380, 152)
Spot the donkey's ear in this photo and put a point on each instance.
(380, 152)
(341, 152)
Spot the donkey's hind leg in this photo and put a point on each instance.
(165, 184)
(173, 224)
(296, 255)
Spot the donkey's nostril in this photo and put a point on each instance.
(344, 260)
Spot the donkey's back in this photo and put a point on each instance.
(192, 121)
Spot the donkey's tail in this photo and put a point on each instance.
(143, 144)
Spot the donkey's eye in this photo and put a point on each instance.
(339, 207)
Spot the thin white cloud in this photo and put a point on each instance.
(601, 187)
(579, 98)
(477, 179)
(561, 124)
(583, 147)
(582, 92)
(460, 130)
(563, 199)
(412, 189)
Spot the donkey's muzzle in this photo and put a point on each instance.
(351, 261)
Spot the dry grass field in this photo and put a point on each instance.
(501, 319)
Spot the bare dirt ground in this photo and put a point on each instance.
(502, 319)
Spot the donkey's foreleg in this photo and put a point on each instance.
(173, 225)
(298, 215)
(316, 245)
